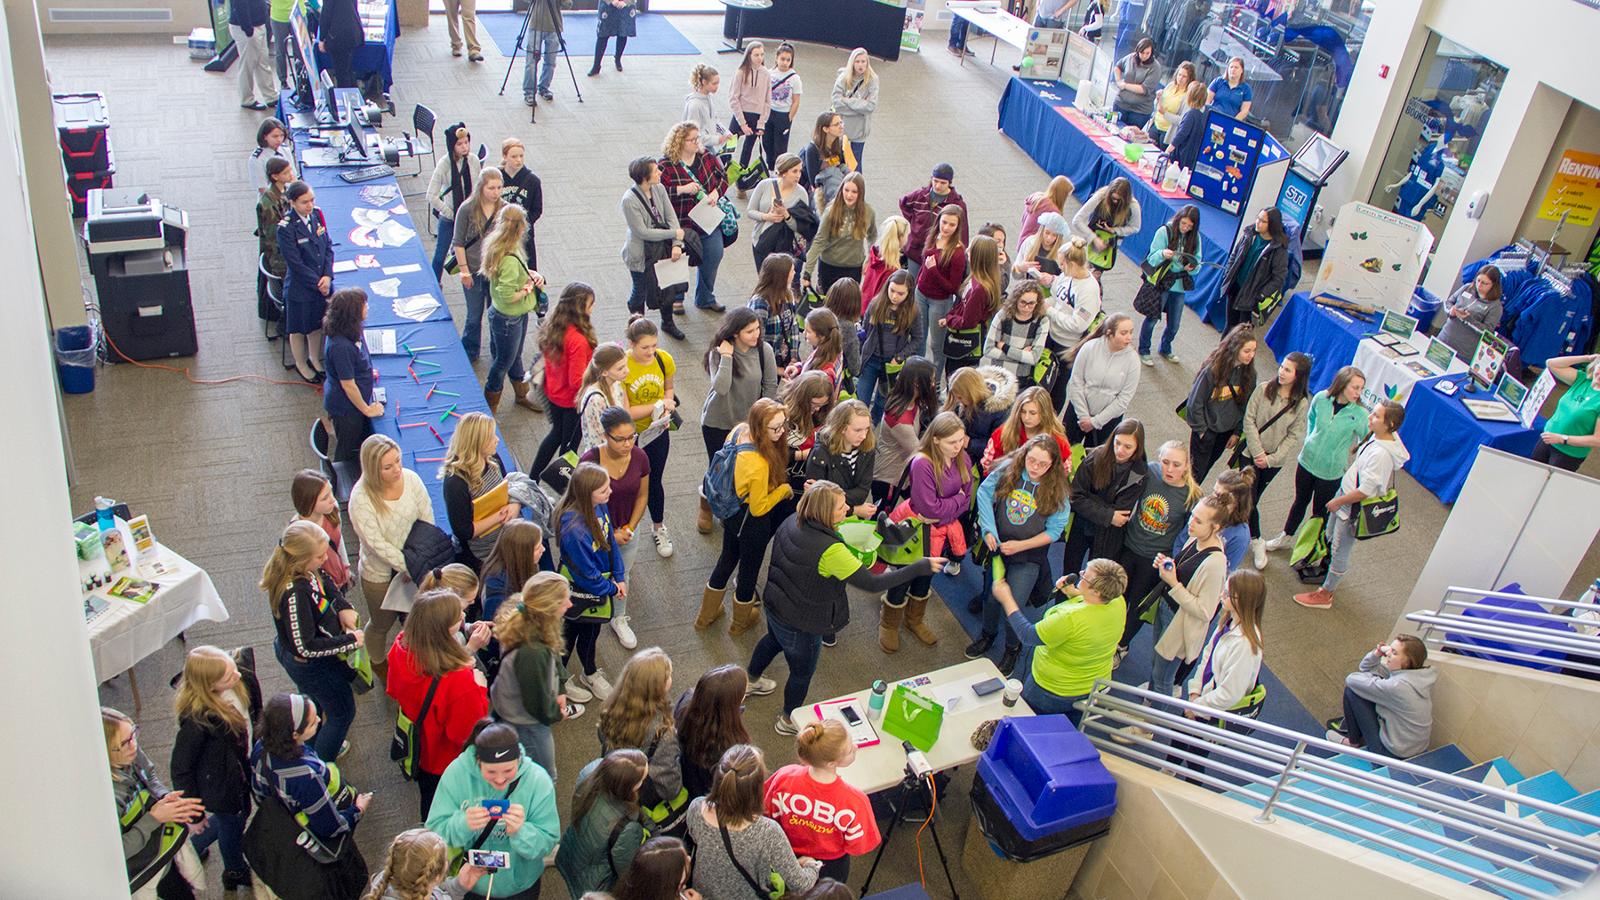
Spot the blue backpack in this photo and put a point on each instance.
(718, 483)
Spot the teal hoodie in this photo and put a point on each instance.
(1330, 437)
(462, 786)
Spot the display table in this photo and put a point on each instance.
(1443, 438)
(126, 632)
(882, 765)
(1040, 118)
(1003, 26)
(1395, 378)
(838, 23)
(376, 55)
(394, 273)
(1330, 336)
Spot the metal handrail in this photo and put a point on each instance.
(1245, 757)
(1445, 625)
(1522, 634)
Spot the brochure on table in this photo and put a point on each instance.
(1373, 257)
(1232, 156)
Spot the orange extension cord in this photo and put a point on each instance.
(188, 373)
(933, 810)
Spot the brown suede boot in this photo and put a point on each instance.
(710, 607)
(521, 389)
(889, 619)
(704, 523)
(745, 615)
(916, 608)
(493, 399)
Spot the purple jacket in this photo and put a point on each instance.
(945, 501)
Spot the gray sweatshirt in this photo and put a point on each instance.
(1404, 699)
(1102, 382)
(729, 400)
(1281, 443)
(842, 250)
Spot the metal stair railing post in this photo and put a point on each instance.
(1266, 817)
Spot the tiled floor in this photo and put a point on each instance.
(211, 463)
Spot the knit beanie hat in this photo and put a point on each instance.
(1053, 221)
(945, 171)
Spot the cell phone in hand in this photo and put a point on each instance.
(489, 859)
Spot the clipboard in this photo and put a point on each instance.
(708, 216)
(493, 501)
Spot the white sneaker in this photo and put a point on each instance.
(597, 685)
(1148, 360)
(785, 725)
(1258, 548)
(576, 692)
(760, 687)
(663, 541)
(624, 632)
(1282, 542)
(573, 710)
(952, 568)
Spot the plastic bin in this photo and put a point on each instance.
(1424, 308)
(79, 184)
(1040, 789)
(82, 124)
(75, 358)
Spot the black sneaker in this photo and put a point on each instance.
(980, 646)
(673, 331)
(1008, 659)
(829, 640)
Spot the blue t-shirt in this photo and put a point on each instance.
(1229, 100)
(346, 360)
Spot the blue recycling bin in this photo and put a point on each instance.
(1424, 308)
(1040, 789)
(75, 358)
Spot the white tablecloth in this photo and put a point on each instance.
(128, 632)
(1392, 378)
(1003, 25)
(882, 765)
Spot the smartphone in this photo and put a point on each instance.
(496, 808)
(851, 717)
(488, 859)
(987, 687)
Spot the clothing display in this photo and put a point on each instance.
(1543, 316)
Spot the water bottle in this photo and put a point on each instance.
(875, 703)
(102, 513)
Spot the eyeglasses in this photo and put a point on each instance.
(127, 743)
(624, 439)
(778, 428)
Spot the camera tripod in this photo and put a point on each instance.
(910, 787)
(522, 34)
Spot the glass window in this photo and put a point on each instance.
(1446, 111)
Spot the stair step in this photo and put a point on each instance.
(1587, 803)
(1350, 761)
(1547, 786)
(1447, 758)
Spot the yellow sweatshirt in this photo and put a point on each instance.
(750, 482)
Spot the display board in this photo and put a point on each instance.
(1296, 197)
(219, 26)
(1373, 256)
(1044, 54)
(1225, 169)
(1079, 63)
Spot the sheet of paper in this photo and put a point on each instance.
(387, 287)
(344, 265)
(380, 341)
(363, 236)
(380, 194)
(706, 215)
(416, 308)
(366, 261)
(393, 234)
(364, 216)
(672, 271)
(401, 270)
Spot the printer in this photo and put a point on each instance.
(137, 256)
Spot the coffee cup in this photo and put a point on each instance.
(1012, 692)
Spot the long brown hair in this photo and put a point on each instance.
(1119, 190)
(797, 396)
(880, 310)
(774, 283)
(736, 786)
(1247, 594)
(1057, 192)
(965, 393)
(834, 220)
(1302, 379)
(1240, 485)
(571, 310)
(821, 139)
(638, 702)
(1102, 460)
(1225, 356)
(515, 552)
(944, 425)
(830, 342)
(949, 209)
(430, 634)
(616, 777)
(658, 872)
(712, 719)
(1053, 487)
(579, 498)
(774, 452)
(983, 262)
(1011, 435)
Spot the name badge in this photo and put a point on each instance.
(303, 240)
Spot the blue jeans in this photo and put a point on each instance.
(477, 298)
(1130, 18)
(1021, 576)
(705, 288)
(872, 372)
(506, 336)
(1163, 671)
(1045, 703)
(1172, 309)
(1044, 21)
(326, 680)
(226, 830)
(1341, 543)
(541, 46)
(540, 745)
(800, 650)
(441, 245)
(958, 34)
(858, 148)
(932, 311)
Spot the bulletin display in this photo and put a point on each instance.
(1227, 163)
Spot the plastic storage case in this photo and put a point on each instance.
(79, 184)
(82, 126)
(1040, 788)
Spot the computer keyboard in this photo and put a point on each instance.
(366, 173)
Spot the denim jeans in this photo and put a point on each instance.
(1361, 723)
(1021, 577)
(1044, 21)
(540, 745)
(630, 552)
(226, 830)
(1341, 542)
(932, 311)
(541, 47)
(506, 336)
(800, 650)
(705, 288)
(441, 245)
(477, 298)
(867, 386)
(1172, 309)
(858, 148)
(1044, 703)
(326, 680)
(1163, 671)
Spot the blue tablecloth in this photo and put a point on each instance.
(1444, 438)
(407, 396)
(375, 56)
(1329, 335)
(1032, 120)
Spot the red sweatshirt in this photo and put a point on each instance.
(458, 704)
(563, 376)
(939, 281)
(822, 821)
(971, 310)
(996, 451)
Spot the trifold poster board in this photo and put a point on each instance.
(1373, 257)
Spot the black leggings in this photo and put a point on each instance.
(582, 634)
(1309, 490)
(1205, 448)
(656, 453)
(565, 429)
(744, 545)
(1237, 317)
(1142, 578)
(600, 49)
(746, 143)
(1263, 478)
(775, 140)
(1550, 456)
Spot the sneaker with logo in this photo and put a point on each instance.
(785, 725)
(577, 694)
(663, 541)
(760, 687)
(1283, 541)
(623, 629)
(595, 684)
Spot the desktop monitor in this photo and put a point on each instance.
(357, 140)
(1318, 157)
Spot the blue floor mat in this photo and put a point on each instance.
(656, 36)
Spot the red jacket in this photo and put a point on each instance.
(971, 310)
(940, 281)
(563, 376)
(458, 704)
(873, 276)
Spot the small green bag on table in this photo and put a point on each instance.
(914, 717)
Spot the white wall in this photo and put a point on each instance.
(54, 779)
(1581, 132)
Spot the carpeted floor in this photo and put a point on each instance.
(656, 37)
